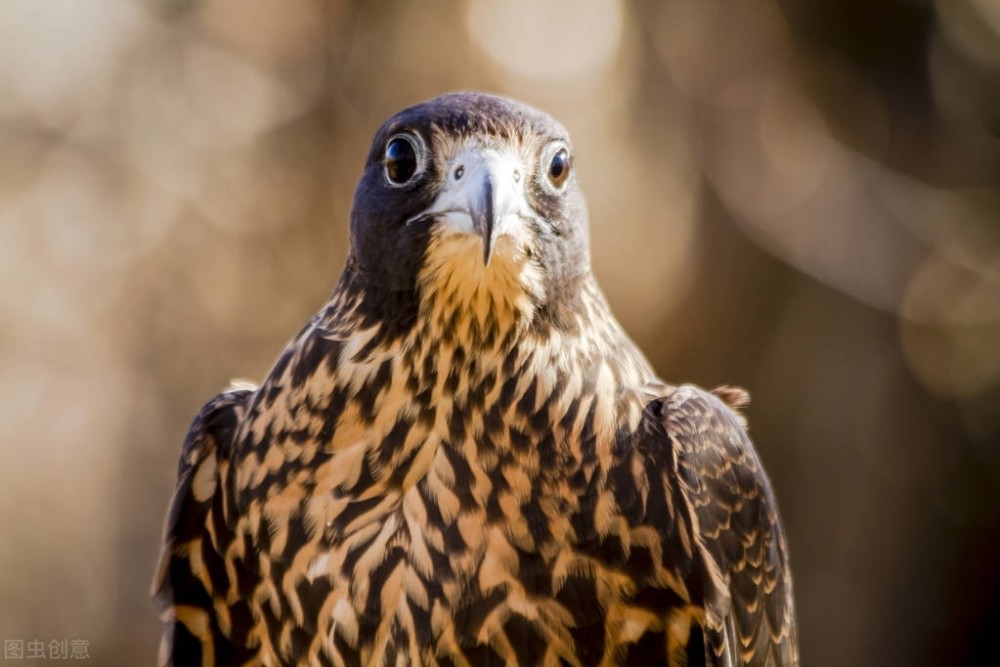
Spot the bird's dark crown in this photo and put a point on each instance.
(408, 243)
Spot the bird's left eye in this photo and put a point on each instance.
(559, 168)
(402, 159)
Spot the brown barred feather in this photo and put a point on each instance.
(472, 464)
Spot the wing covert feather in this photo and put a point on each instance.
(748, 606)
(191, 584)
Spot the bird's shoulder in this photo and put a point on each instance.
(729, 507)
(209, 438)
(686, 413)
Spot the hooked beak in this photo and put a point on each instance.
(483, 194)
(484, 215)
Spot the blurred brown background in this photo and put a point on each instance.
(801, 197)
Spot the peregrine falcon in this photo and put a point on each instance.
(462, 459)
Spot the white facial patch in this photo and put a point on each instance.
(483, 200)
(465, 188)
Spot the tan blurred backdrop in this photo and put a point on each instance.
(799, 197)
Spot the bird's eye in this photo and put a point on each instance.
(402, 159)
(559, 168)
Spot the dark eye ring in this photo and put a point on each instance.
(559, 167)
(403, 158)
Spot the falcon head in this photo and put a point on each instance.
(469, 202)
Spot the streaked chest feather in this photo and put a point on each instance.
(431, 496)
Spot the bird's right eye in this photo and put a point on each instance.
(402, 159)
